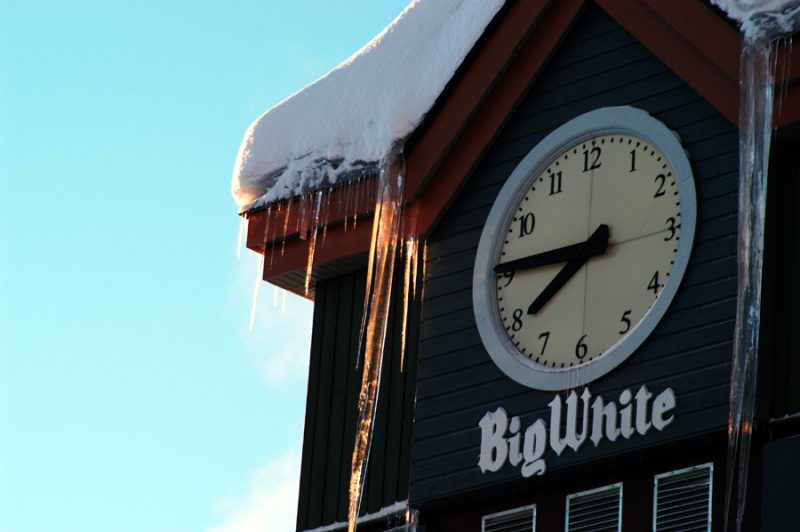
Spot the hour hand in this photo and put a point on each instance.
(598, 241)
(596, 244)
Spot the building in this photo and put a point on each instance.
(466, 434)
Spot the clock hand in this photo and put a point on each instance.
(561, 278)
(592, 246)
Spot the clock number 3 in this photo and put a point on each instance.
(671, 229)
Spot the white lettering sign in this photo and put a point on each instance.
(503, 441)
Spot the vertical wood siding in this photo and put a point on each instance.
(599, 64)
(332, 406)
(780, 353)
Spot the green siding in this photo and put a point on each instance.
(781, 286)
(332, 402)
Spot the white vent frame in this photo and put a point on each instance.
(519, 510)
(670, 474)
(616, 486)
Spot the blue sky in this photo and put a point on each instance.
(132, 396)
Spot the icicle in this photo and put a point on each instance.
(383, 250)
(267, 221)
(275, 297)
(370, 265)
(242, 237)
(359, 188)
(414, 269)
(327, 215)
(272, 246)
(348, 195)
(302, 221)
(286, 226)
(254, 304)
(312, 242)
(410, 262)
(755, 129)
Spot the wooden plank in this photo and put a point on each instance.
(351, 397)
(306, 470)
(337, 438)
(409, 392)
(318, 497)
(393, 397)
(690, 350)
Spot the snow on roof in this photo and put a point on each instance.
(763, 18)
(344, 124)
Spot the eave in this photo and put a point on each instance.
(687, 35)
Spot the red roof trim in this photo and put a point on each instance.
(692, 39)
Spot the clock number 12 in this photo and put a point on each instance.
(591, 159)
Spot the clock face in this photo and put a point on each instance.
(584, 248)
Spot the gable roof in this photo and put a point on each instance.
(343, 125)
(690, 37)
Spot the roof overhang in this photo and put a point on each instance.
(690, 37)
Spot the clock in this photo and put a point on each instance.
(584, 248)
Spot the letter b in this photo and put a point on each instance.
(494, 448)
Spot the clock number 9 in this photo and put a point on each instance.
(581, 349)
(517, 325)
(509, 276)
(526, 224)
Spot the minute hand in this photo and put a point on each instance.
(592, 246)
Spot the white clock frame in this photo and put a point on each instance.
(609, 120)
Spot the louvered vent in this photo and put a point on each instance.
(597, 510)
(683, 500)
(516, 520)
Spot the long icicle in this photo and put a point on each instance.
(312, 241)
(386, 227)
(409, 263)
(755, 130)
(242, 237)
(254, 303)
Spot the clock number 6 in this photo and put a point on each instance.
(581, 349)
